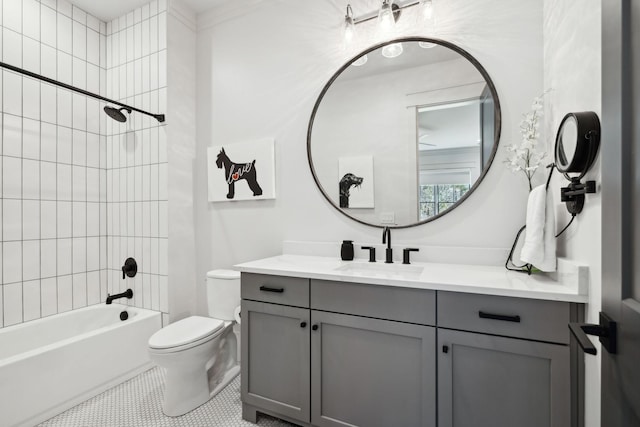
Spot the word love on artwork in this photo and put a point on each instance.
(246, 168)
(236, 171)
(242, 171)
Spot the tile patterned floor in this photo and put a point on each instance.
(137, 403)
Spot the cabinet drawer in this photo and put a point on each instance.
(514, 317)
(382, 302)
(276, 289)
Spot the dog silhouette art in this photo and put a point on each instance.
(236, 171)
(348, 180)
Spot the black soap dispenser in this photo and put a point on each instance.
(346, 251)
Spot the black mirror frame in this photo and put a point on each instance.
(497, 125)
(587, 145)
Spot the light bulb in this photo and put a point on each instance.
(426, 7)
(392, 50)
(386, 20)
(360, 61)
(426, 45)
(349, 28)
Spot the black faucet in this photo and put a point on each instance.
(126, 294)
(386, 238)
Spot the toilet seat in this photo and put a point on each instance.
(185, 333)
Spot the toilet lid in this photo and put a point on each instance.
(185, 331)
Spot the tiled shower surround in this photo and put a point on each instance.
(81, 192)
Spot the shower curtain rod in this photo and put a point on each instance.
(158, 117)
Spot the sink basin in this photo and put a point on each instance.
(395, 271)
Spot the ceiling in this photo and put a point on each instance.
(108, 10)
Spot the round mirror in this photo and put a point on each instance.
(567, 143)
(577, 143)
(401, 140)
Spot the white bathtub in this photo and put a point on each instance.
(49, 365)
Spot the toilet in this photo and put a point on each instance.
(199, 354)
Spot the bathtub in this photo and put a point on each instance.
(51, 364)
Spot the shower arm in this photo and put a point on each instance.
(158, 117)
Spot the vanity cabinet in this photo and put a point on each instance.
(371, 372)
(275, 365)
(341, 368)
(504, 362)
(484, 380)
(328, 353)
(275, 358)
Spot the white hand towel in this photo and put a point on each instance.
(539, 246)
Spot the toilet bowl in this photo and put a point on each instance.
(199, 354)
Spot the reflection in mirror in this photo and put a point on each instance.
(448, 153)
(400, 141)
(567, 143)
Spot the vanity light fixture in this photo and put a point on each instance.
(387, 16)
(349, 28)
(426, 7)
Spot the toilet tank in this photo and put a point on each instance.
(223, 293)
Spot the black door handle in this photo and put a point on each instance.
(314, 327)
(269, 289)
(606, 330)
(303, 324)
(502, 317)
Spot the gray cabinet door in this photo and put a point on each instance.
(489, 381)
(275, 358)
(371, 373)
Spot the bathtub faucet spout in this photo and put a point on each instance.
(126, 294)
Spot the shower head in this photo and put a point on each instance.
(116, 113)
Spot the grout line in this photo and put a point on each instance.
(21, 167)
(40, 162)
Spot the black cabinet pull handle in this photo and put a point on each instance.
(269, 289)
(314, 327)
(445, 349)
(502, 317)
(303, 324)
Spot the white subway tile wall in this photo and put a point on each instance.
(136, 192)
(80, 192)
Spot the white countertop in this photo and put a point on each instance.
(477, 279)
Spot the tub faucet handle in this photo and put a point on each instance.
(130, 268)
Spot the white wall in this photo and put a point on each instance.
(53, 162)
(572, 73)
(181, 147)
(260, 69)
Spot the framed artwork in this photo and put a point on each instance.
(355, 182)
(242, 171)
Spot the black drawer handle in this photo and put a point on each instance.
(503, 317)
(268, 289)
